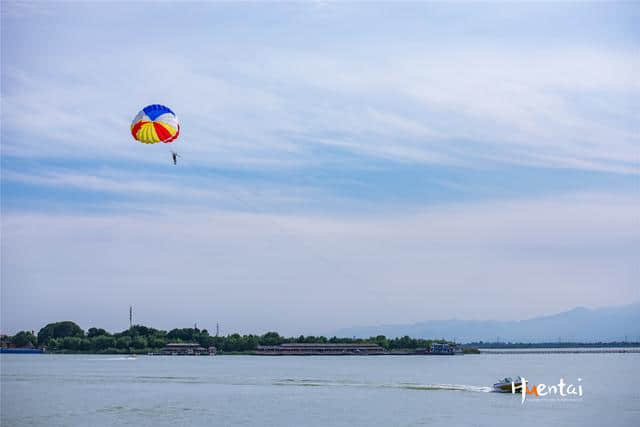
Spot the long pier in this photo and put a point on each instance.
(561, 351)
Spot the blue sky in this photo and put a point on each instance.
(395, 162)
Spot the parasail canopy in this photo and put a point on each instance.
(155, 123)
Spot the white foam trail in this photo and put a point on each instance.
(406, 386)
(451, 387)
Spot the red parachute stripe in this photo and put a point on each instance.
(136, 127)
(174, 137)
(162, 132)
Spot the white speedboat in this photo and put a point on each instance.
(506, 385)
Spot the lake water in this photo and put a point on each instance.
(82, 390)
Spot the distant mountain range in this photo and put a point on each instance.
(577, 325)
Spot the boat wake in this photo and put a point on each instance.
(405, 386)
(449, 387)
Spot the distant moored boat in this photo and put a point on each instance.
(22, 350)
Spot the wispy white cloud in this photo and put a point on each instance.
(247, 269)
(150, 192)
(570, 106)
(270, 92)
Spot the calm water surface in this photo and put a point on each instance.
(82, 390)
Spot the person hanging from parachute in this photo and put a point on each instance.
(175, 156)
(156, 123)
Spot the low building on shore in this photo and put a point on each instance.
(187, 349)
(306, 349)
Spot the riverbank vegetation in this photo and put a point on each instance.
(68, 337)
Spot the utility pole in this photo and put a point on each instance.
(130, 317)
(217, 329)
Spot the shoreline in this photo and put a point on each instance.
(632, 350)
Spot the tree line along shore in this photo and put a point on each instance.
(68, 337)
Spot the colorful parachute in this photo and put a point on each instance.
(155, 123)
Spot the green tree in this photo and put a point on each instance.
(59, 330)
(184, 334)
(139, 343)
(24, 339)
(381, 340)
(204, 339)
(71, 343)
(103, 342)
(123, 343)
(403, 342)
(233, 342)
(96, 332)
(157, 342)
(142, 331)
(271, 338)
(250, 342)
